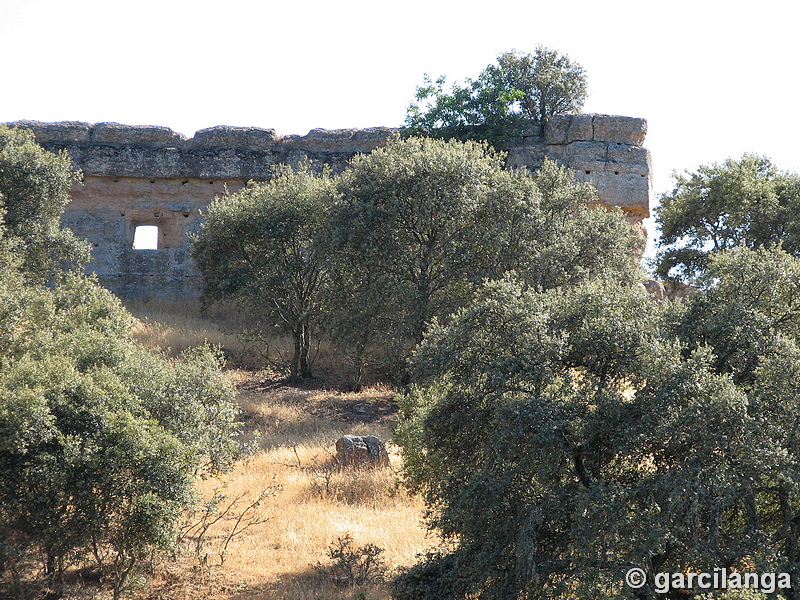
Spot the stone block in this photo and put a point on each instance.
(64, 133)
(147, 136)
(629, 159)
(585, 156)
(525, 157)
(225, 136)
(556, 152)
(620, 130)
(586, 151)
(295, 157)
(629, 191)
(555, 130)
(220, 163)
(581, 129)
(366, 140)
(326, 140)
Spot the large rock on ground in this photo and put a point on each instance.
(361, 451)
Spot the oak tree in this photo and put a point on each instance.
(34, 189)
(562, 437)
(747, 202)
(420, 223)
(100, 441)
(260, 245)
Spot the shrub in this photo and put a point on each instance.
(354, 565)
(99, 441)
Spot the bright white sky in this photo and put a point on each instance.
(713, 78)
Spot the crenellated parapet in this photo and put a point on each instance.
(111, 149)
(150, 175)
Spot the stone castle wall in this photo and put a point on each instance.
(154, 176)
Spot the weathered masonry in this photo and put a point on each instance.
(154, 177)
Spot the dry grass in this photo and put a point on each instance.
(310, 502)
(313, 507)
(166, 327)
(171, 329)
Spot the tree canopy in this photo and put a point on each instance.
(100, 441)
(403, 237)
(747, 202)
(503, 101)
(562, 437)
(421, 223)
(34, 189)
(261, 245)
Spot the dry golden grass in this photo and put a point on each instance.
(171, 329)
(311, 502)
(164, 326)
(314, 505)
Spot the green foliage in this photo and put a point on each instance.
(434, 576)
(564, 238)
(551, 83)
(403, 237)
(261, 245)
(474, 111)
(99, 441)
(409, 220)
(504, 99)
(354, 565)
(421, 223)
(34, 189)
(750, 304)
(745, 202)
(560, 437)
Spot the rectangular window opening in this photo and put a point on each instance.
(145, 237)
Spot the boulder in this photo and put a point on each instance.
(655, 289)
(361, 451)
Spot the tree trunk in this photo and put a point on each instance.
(299, 368)
(305, 346)
(54, 574)
(423, 310)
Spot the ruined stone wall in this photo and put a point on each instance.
(154, 176)
(602, 149)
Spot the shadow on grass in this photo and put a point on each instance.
(215, 584)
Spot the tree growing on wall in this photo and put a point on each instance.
(504, 100)
(261, 245)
